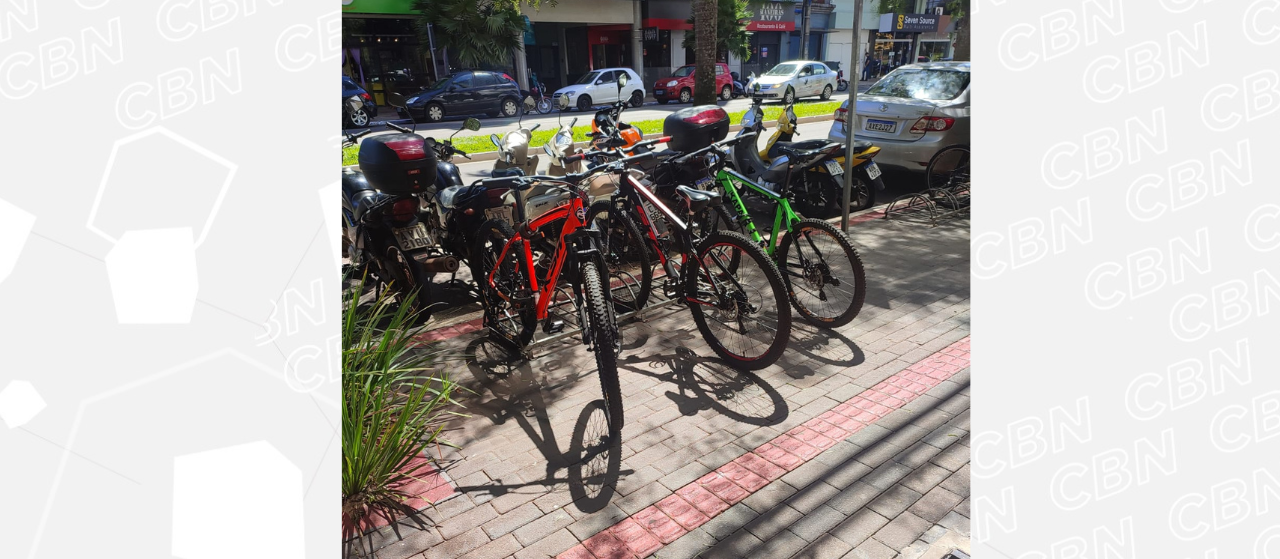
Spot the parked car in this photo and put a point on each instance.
(679, 87)
(468, 92)
(795, 79)
(359, 118)
(911, 113)
(600, 87)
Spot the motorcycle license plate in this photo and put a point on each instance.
(834, 167)
(659, 92)
(873, 170)
(874, 125)
(501, 214)
(704, 183)
(410, 238)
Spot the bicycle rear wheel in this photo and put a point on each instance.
(824, 274)
(744, 316)
(949, 168)
(626, 257)
(507, 301)
(604, 332)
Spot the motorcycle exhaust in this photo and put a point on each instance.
(447, 264)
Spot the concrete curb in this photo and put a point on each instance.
(492, 155)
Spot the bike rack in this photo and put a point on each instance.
(954, 198)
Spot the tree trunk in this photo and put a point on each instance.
(962, 34)
(704, 25)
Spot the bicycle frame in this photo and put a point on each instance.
(638, 194)
(783, 218)
(575, 228)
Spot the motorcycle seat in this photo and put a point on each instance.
(508, 172)
(698, 199)
(858, 146)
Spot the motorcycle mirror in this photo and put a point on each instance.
(396, 100)
(496, 142)
(471, 124)
(529, 105)
(755, 86)
(563, 102)
(622, 82)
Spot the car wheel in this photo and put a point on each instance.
(726, 93)
(435, 112)
(584, 103)
(789, 97)
(637, 99)
(510, 108)
(686, 95)
(359, 119)
(826, 93)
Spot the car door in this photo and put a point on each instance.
(485, 86)
(821, 78)
(459, 96)
(606, 88)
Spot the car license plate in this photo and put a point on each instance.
(410, 238)
(501, 214)
(874, 125)
(873, 170)
(659, 92)
(834, 167)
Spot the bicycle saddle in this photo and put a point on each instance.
(698, 199)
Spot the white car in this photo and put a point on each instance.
(600, 87)
(795, 79)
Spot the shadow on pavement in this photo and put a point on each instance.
(709, 384)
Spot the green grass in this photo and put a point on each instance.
(481, 144)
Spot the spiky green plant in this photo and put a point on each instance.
(476, 32)
(394, 407)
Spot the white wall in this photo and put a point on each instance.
(677, 51)
(583, 11)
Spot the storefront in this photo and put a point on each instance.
(909, 38)
(381, 49)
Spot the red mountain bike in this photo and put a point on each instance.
(518, 271)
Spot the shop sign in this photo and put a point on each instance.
(402, 7)
(650, 34)
(910, 23)
(772, 16)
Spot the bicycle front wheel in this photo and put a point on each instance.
(625, 254)
(741, 306)
(824, 274)
(507, 299)
(604, 332)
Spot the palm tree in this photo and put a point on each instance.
(731, 30)
(704, 24)
(475, 31)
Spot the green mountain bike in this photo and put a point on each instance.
(823, 273)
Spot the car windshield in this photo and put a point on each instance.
(440, 83)
(932, 85)
(782, 70)
(589, 78)
(683, 71)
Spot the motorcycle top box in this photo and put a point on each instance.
(398, 164)
(694, 128)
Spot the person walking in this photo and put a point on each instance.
(866, 67)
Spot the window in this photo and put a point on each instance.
(922, 84)
(485, 79)
(818, 69)
(719, 70)
(610, 76)
(589, 78)
(463, 80)
(683, 71)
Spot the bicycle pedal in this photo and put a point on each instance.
(553, 326)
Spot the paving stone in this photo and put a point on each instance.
(505, 546)
(769, 497)
(473, 518)
(952, 458)
(954, 521)
(509, 522)
(963, 508)
(730, 521)
(412, 543)
(871, 549)
(606, 545)
(901, 531)
(958, 482)
(817, 523)
(925, 477)
(854, 497)
(887, 474)
(638, 540)
(894, 500)
(549, 546)
(593, 523)
(773, 521)
(784, 544)
(935, 504)
(825, 547)
(542, 527)
(459, 544)
(688, 546)
(859, 527)
(737, 545)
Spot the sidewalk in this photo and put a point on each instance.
(854, 445)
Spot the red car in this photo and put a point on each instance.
(679, 87)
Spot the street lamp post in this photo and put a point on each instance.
(851, 117)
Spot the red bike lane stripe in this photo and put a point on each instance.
(698, 502)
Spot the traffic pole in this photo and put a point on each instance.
(851, 116)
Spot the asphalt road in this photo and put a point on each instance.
(501, 125)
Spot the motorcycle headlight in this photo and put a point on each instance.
(672, 83)
(563, 141)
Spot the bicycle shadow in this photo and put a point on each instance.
(824, 345)
(705, 383)
(589, 467)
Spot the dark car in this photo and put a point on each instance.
(359, 118)
(466, 93)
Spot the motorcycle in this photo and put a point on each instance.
(737, 90)
(513, 149)
(841, 83)
(541, 102)
(817, 186)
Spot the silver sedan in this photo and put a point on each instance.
(911, 113)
